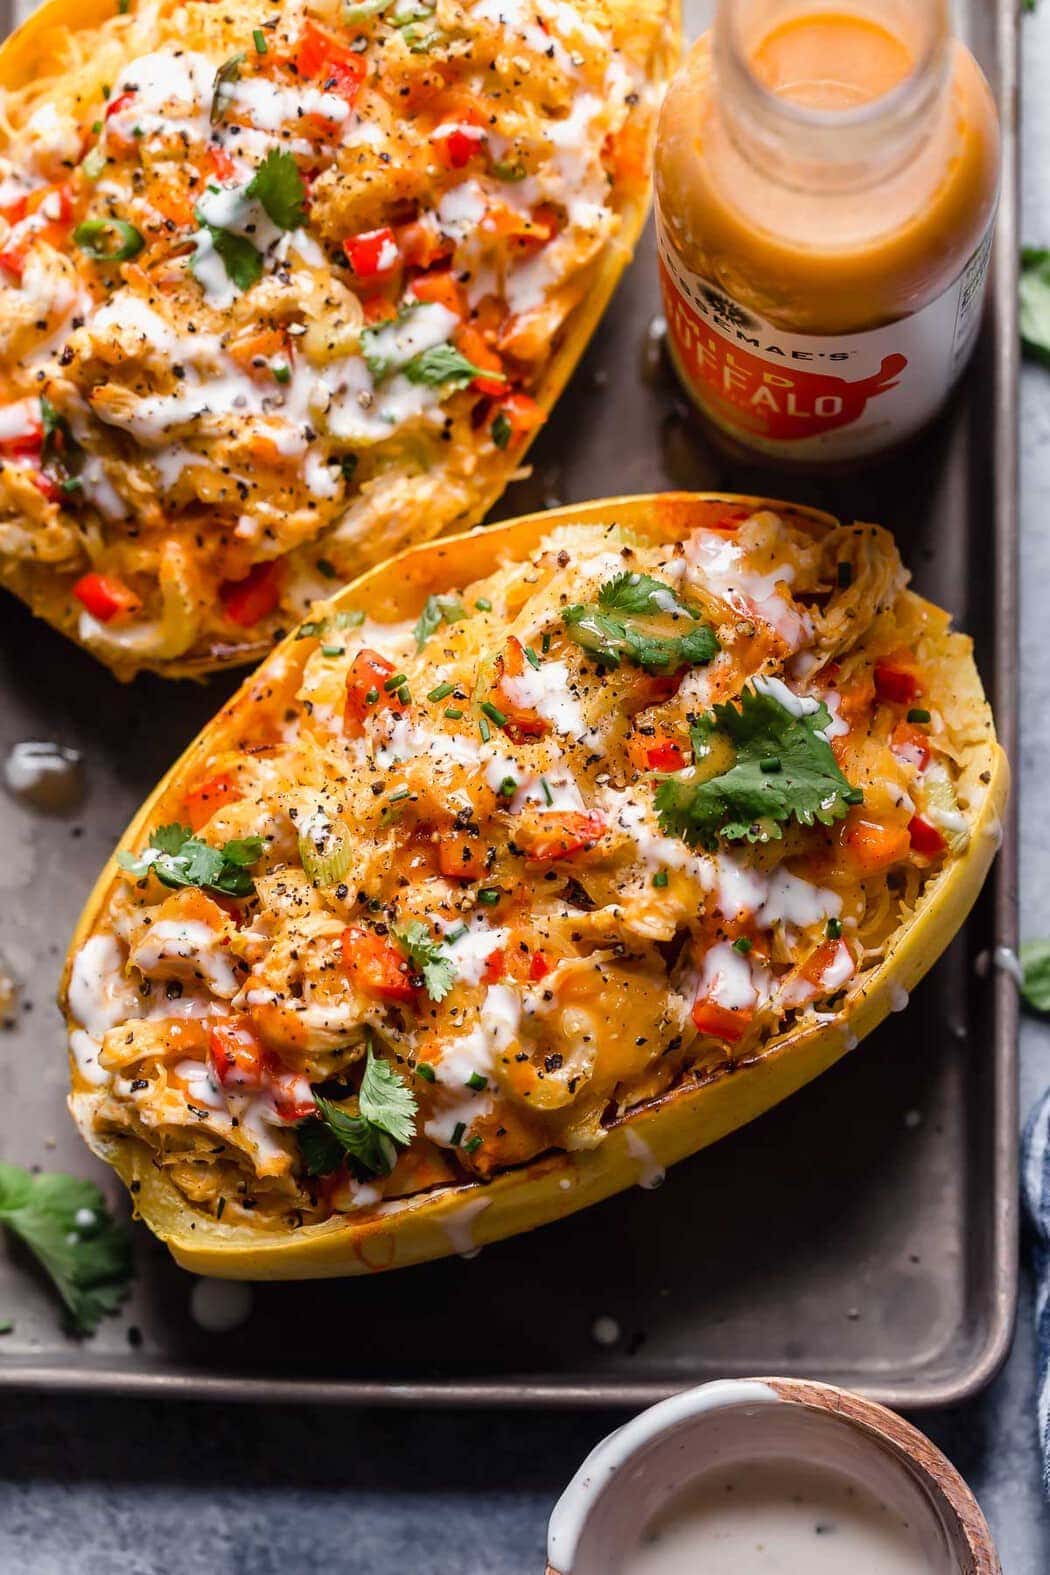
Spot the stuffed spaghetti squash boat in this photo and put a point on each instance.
(535, 860)
(282, 291)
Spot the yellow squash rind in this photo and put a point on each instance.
(431, 1225)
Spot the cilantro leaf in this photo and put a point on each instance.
(242, 261)
(443, 366)
(427, 958)
(65, 1223)
(386, 1100)
(640, 593)
(178, 858)
(280, 188)
(783, 768)
(437, 610)
(1034, 297)
(1035, 974)
(386, 1117)
(611, 640)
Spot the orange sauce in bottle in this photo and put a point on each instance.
(826, 182)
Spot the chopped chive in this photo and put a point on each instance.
(398, 795)
(493, 712)
(281, 371)
(457, 934)
(489, 896)
(483, 604)
(123, 7)
(453, 713)
(426, 1072)
(307, 631)
(332, 650)
(507, 788)
(404, 694)
(441, 691)
(917, 714)
(484, 730)
(770, 764)
(548, 795)
(96, 127)
(328, 569)
(834, 929)
(531, 657)
(477, 1082)
(372, 696)
(471, 1145)
(545, 643)
(742, 945)
(457, 1133)
(394, 682)
(660, 878)
(845, 574)
(259, 40)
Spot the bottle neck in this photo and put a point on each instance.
(827, 99)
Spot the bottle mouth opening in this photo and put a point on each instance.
(929, 29)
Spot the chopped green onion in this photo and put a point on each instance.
(310, 630)
(453, 713)
(398, 795)
(489, 896)
(328, 866)
(441, 692)
(660, 878)
(93, 163)
(281, 371)
(471, 1145)
(483, 604)
(501, 430)
(484, 730)
(742, 945)
(834, 929)
(505, 169)
(507, 788)
(259, 40)
(918, 714)
(493, 712)
(394, 682)
(531, 657)
(96, 237)
(545, 643)
(547, 794)
(426, 1072)
(371, 696)
(452, 936)
(333, 650)
(477, 1082)
(457, 1133)
(404, 695)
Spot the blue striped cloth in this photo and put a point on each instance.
(1035, 1180)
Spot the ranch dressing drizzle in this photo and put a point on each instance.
(781, 1517)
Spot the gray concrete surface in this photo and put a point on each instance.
(91, 1488)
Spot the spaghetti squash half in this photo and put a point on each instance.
(282, 291)
(536, 859)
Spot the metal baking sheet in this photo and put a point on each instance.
(864, 1232)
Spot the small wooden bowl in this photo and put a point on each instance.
(633, 1473)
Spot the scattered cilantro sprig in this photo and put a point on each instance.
(783, 769)
(436, 611)
(279, 187)
(65, 1223)
(368, 1141)
(443, 366)
(242, 261)
(178, 858)
(427, 959)
(610, 631)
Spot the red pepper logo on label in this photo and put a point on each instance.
(753, 395)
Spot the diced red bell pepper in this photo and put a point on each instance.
(665, 756)
(115, 105)
(874, 847)
(522, 721)
(421, 245)
(13, 260)
(822, 958)
(220, 163)
(911, 744)
(29, 441)
(375, 965)
(459, 145)
(202, 801)
(106, 597)
(441, 288)
(472, 343)
(235, 1053)
(897, 678)
(721, 1022)
(926, 838)
(495, 966)
(247, 602)
(378, 309)
(332, 66)
(289, 1090)
(559, 836)
(539, 967)
(366, 691)
(373, 252)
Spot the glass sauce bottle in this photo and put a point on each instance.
(826, 183)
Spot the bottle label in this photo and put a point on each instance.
(820, 396)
